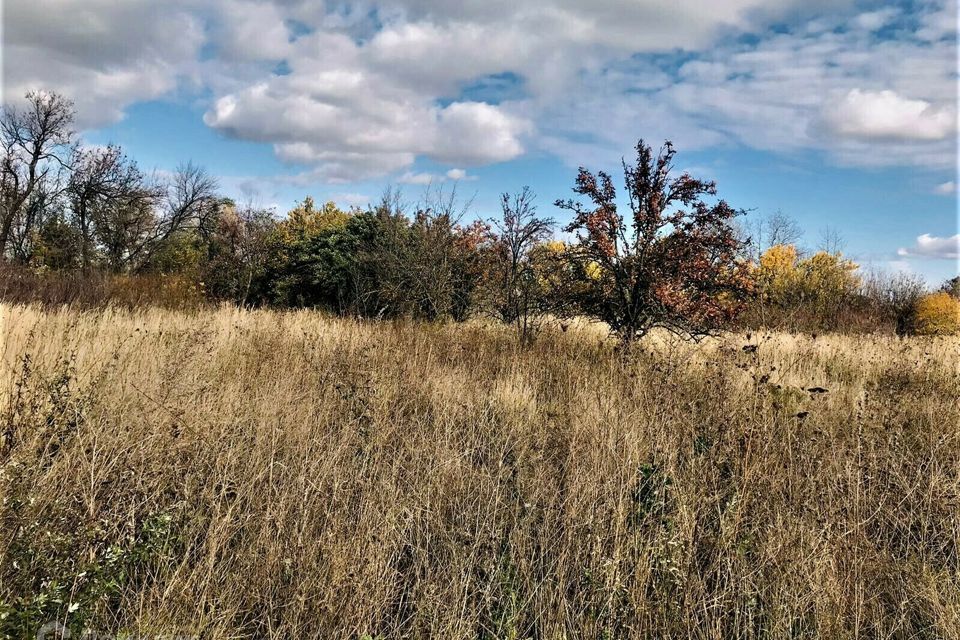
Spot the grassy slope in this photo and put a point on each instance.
(257, 474)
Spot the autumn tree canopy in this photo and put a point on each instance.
(671, 261)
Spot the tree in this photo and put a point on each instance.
(124, 226)
(952, 286)
(238, 251)
(36, 147)
(184, 209)
(433, 264)
(103, 182)
(827, 280)
(672, 262)
(57, 245)
(191, 203)
(937, 314)
(831, 240)
(309, 257)
(893, 297)
(379, 262)
(518, 293)
(770, 230)
(306, 220)
(814, 290)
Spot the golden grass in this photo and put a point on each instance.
(228, 474)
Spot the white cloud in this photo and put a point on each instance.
(426, 178)
(900, 266)
(939, 24)
(773, 95)
(886, 115)
(352, 199)
(948, 188)
(374, 85)
(928, 246)
(338, 112)
(251, 30)
(874, 20)
(103, 54)
(419, 178)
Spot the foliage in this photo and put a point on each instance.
(820, 280)
(57, 246)
(777, 276)
(63, 205)
(816, 290)
(938, 314)
(891, 299)
(826, 279)
(238, 250)
(318, 258)
(85, 225)
(375, 263)
(672, 262)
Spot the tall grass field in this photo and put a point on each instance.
(257, 474)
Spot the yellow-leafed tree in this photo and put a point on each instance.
(937, 314)
(777, 274)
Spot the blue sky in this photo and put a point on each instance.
(841, 113)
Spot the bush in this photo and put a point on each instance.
(938, 314)
(952, 286)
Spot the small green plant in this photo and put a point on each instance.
(58, 584)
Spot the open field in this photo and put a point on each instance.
(270, 475)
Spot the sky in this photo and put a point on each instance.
(842, 114)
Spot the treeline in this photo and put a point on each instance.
(87, 226)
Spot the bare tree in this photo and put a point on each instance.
(893, 296)
(36, 145)
(831, 240)
(773, 229)
(128, 217)
(191, 201)
(187, 202)
(517, 298)
(124, 226)
(104, 180)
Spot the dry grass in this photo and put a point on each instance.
(96, 289)
(273, 475)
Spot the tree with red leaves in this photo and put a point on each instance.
(673, 262)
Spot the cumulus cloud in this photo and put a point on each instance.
(422, 178)
(251, 30)
(103, 54)
(873, 20)
(887, 115)
(352, 199)
(425, 178)
(928, 246)
(340, 112)
(355, 90)
(773, 94)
